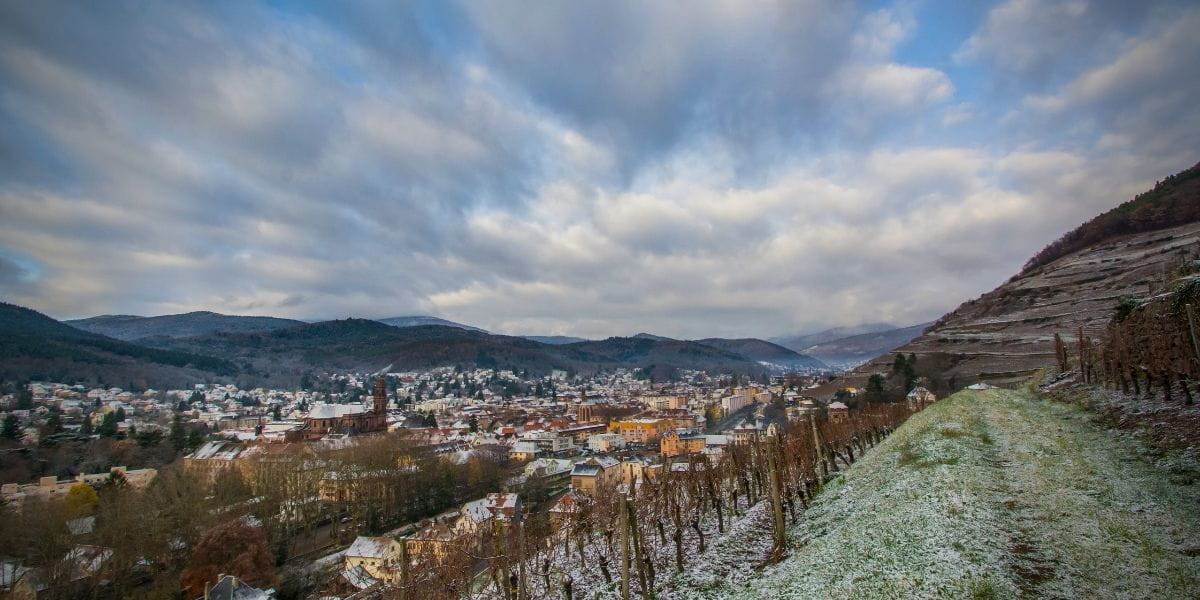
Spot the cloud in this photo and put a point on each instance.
(574, 168)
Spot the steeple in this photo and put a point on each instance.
(381, 395)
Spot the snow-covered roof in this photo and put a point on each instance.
(837, 405)
(371, 547)
(218, 450)
(359, 578)
(323, 410)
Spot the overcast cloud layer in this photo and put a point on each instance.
(583, 168)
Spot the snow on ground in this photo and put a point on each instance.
(992, 494)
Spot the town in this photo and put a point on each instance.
(340, 478)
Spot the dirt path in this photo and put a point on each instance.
(1087, 512)
(995, 494)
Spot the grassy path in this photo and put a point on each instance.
(995, 494)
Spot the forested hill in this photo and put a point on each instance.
(282, 355)
(1174, 201)
(766, 352)
(34, 346)
(131, 328)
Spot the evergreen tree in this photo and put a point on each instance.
(53, 425)
(178, 435)
(86, 427)
(108, 426)
(24, 398)
(12, 428)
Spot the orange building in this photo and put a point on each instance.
(640, 431)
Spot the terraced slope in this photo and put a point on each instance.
(994, 494)
(1006, 334)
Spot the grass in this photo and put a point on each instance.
(994, 494)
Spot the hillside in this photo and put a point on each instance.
(34, 346)
(766, 352)
(1006, 334)
(130, 327)
(994, 494)
(418, 320)
(854, 350)
(283, 355)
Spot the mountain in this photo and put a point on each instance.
(34, 346)
(651, 336)
(766, 352)
(800, 342)
(280, 356)
(130, 327)
(1076, 282)
(418, 320)
(645, 350)
(555, 339)
(854, 350)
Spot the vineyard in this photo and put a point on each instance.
(1151, 347)
(695, 523)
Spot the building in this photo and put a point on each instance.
(569, 508)
(212, 458)
(552, 470)
(745, 433)
(838, 412)
(638, 468)
(378, 557)
(349, 419)
(353, 485)
(663, 401)
(679, 442)
(639, 431)
(734, 403)
(595, 475)
(51, 488)
(436, 541)
(606, 442)
(540, 443)
(229, 587)
(580, 433)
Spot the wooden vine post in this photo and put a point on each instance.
(403, 595)
(623, 511)
(1192, 329)
(780, 537)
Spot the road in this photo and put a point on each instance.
(746, 412)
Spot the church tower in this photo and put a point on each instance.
(381, 395)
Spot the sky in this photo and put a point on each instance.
(693, 169)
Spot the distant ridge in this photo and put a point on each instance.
(854, 350)
(555, 339)
(801, 342)
(132, 327)
(418, 320)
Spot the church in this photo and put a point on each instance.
(351, 419)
